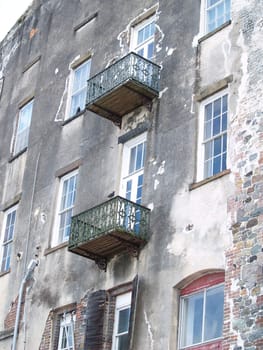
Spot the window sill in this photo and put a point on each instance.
(68, 120)
(13, 157)
(5, 272)
(54, 249)
(209, 179)
(218, 29)
(212, 345)
(6, 333)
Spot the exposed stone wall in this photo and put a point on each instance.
(244, 271)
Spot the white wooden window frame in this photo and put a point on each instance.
(67, 321)
(7, 244)
(204, 16)
(202, 291)
(201, 148)
(22, 132)
(83, 88)
(125, 176)
(134, 36)
(123, 302)
(57, 239)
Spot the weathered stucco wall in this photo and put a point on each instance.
(190, 222)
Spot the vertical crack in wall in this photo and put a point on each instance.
(149, 329)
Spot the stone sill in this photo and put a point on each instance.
(209, 179)
(13, 157)
(5, 272)
(6, 334)
(68, 120)
(54, 249)
(210, 345)
(208, 35)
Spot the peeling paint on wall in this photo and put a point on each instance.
(57, 118)
(161, 170)
(162, 92)
(149, 330)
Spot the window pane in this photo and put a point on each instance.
(140, 52)
(140, 36)
(128, 189)
(22, 132)
(214, 313)
(224, 122)
(212, 2)
(192, 319)
(216, 165)
(211, 19)
(208, 130)
(66, 206)
(139, 156)
(217, 146)
(208, 168)
(6, 257)
(150, 50)
(66, 340)
(124, 316)
(79, 89)
(218, 12)
(78, 102)
(123, 342)
(208, 111)
(132, 160)
(216, 126)
(208, 150)
(9, 229)
(217, 110)
(217, 107)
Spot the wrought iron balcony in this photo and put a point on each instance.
(125, 85)
(108, 229)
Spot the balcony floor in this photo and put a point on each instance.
(121, 100)
(109, 244)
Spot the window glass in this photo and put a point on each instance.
(8, 235)
(121, 322)
(217, 13)
(144, 38)
(215, 136)
(134, 157)
(68, 186)
(23, 126)
(66, 332)
(214, 313)
(79, 89)
(193, 315)
(202, 316)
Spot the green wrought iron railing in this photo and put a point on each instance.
(132, 66)
(117, 214)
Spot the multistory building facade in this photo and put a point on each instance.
(131, 172)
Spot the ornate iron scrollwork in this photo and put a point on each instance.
(132, 66)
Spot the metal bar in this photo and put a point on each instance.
(131, 66)
(115, 214)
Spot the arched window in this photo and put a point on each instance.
(202, 312)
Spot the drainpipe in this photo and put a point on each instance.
(30, 269)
